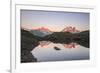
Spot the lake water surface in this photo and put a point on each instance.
(46, 52)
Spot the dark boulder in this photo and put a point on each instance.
(56, 48)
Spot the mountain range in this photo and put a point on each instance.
(43, 31)
(70, 29)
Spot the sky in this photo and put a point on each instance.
(55, 21)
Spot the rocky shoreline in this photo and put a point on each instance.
(27, 45)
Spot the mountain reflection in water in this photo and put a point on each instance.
(70, 45)
(46, 51)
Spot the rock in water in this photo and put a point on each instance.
(56, 48)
